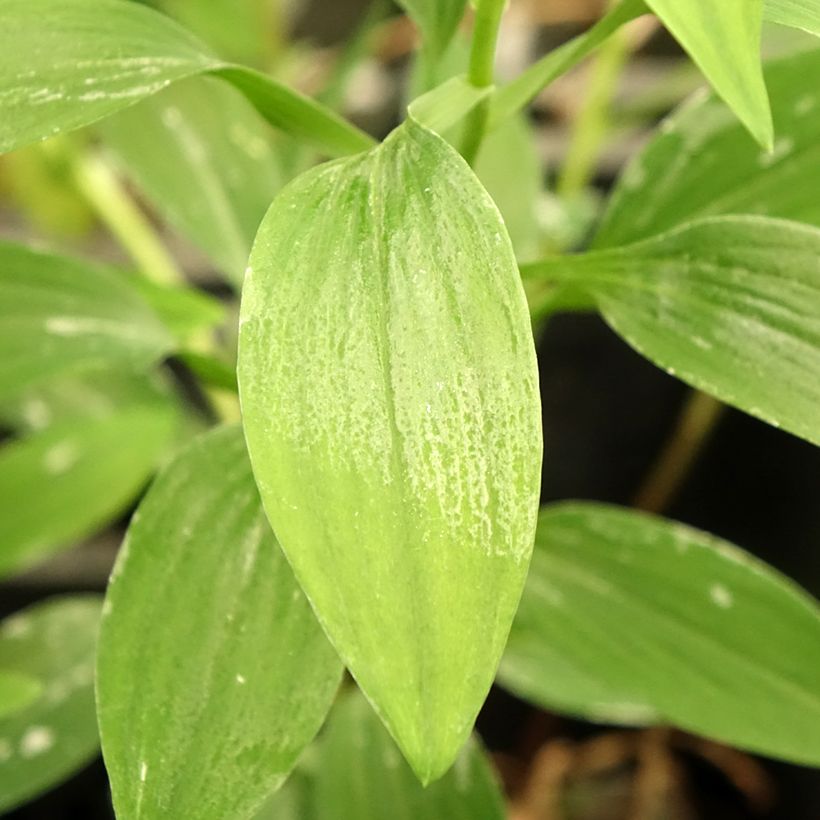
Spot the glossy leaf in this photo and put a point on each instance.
(356, 771)
(17, 691)
(60, 315)
(723, 39)
(701, 162)
(56, 734)
(235, 675)
(437, 19)
(216, 171)
(803, 14)
(68, 63)
(63, 483)
(628, 617)
(390, 400)
(730, 305)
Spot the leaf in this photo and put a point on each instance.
(65, 482)
(626, 615)
(59, 315)
(701, 162)
(235, 675)
(216, 173)
(730, 305)
(356, 771)
(723, 39)
(437, 19)
(17, 692)
(65, 64)
(445, 105)
(803, 14)
(55, 735)
(390, 400)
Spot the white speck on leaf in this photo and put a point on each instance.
(35, 741)
(143, 772)
(60, 458)
(241, 679)
(721, 596)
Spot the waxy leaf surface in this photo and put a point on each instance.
(631, 618)
(234, 675)
(701, 162)
(390, 400)
(729, 304)
(56, 734)
(723, 39)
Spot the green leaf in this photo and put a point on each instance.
(56, 734)
(445, 105)
(66, 481)
(390, 399)
(437, 19)
(68, 63)
(723, 39)
(730, 305)
(517, 94)
(60, 315)
(216, 172)
(356, 771)
(17, 691)
(701, 162)
(628, 617)
(235, 675)
(803, 14)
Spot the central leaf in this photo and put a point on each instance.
(390, 399)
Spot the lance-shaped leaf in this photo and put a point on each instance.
(61, 315)
(356, 771)
(390, 400)
(216, 171)
(804, 14)
(17, 691)
(234, 673)
(631, 618)
(701, 162)
(56, 734)
(730, 305)
(68, 63)
(723, 39)
(437, 20)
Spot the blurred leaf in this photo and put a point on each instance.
(211, 370)
(60, 315)
(730, 305)
(216, 172)
(17, 691)
(235, 675)
(63, 483)
(55, 735)
(437, 20)
(69, 63)
(389, 395)
(627, 617)
(445, 105)
(356, 771)
(723, 39)
(701, 162)
(803, 14)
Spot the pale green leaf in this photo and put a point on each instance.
(234, 673)
(702, 162)
(56, 734)
(61, 315)
(68, 63)
(66, 481)
(17, 691)
(631, 618)
(205, 160)
(390, 399)
(723, 39)
(803, 14)
(730, 305)
(445, 105)
(437, 20)
(356, 771)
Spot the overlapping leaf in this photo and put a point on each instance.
(804, 14)
(390, 401)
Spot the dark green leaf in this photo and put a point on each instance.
(56, 734)
(17, 691)
(437, 19)
(701, 162)
(804, 14)
(730, 305)
(234, 673)
(629, 618)
(390, 399)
